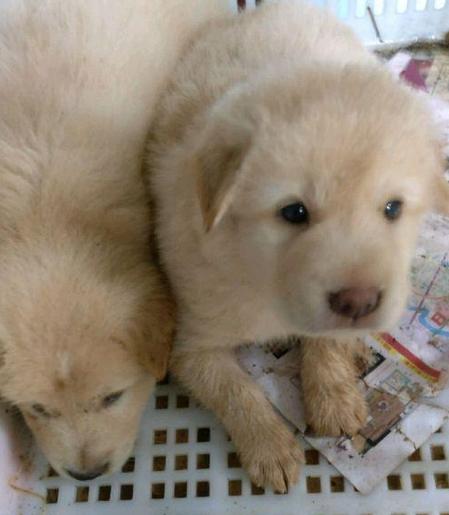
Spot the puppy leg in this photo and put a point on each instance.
(268, 450)
(332, 401)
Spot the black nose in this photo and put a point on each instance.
(355, 302)
(88, 474)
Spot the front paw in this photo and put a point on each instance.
(341, 412)
(272, 458)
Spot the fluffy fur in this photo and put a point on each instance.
(84, 312)
(276, 106)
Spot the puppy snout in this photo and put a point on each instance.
(87, 475)
(355, 302)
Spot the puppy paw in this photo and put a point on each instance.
(342, 412)
(273, 460)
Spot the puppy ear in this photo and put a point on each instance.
(441, 195)
(439, 187)
(153, 344)
(218, 163)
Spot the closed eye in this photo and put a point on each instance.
(39, 409)
(111, 399)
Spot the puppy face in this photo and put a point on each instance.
(321, 183)
(81, 365)
(86, 418)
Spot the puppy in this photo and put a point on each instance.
(291, 172)
(85, 318)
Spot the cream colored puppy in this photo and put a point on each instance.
(85, 319)
(291, 172)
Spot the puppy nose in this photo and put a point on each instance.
(355, 302)
(88, 474)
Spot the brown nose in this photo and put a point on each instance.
(88, 475)
(355, 302)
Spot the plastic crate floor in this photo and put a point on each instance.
(184, 464)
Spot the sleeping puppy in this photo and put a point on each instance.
(85, 318)
(291, 173)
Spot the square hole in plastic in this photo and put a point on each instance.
(418, 481)
(312, 457)
(159, 463)
(158, 490)
(181, 462)
(52, 495)
(203, 434)
(234, 487)
(233, 461)
(394, 482)
(126, 492)
(441, 480)
(203, 461)
(180, 490)
(182, 436)
(82, 494)
(437, 453)
(104, 493)
(160, 437)
(337, 484)
(202, 489)
(313, 485)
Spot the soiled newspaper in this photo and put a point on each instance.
(410, 367)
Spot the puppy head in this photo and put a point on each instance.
(319, 181)
(80, 358)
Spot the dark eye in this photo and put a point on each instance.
(40, 410)
(393, 209)
(111, 399)
(295, 213)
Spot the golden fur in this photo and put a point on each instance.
(282, 105)
(84, 312)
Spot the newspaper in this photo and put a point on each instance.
(400, 420)
(410, 365)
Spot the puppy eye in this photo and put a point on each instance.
(393, 209)
(295, 213)
(111, 399)
(40, 410)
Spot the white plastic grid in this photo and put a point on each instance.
(397, 21)
(184, 463)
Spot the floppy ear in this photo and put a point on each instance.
(441, 195)
(440, 186)
(218, 162)
(153, 343)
